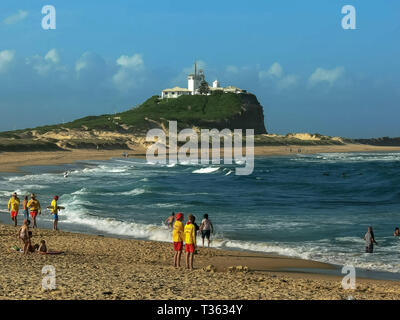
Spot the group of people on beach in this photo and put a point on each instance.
(32, 208)
(187, 234)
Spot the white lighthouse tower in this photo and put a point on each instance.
(195, 79)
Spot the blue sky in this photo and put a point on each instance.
(309, 73)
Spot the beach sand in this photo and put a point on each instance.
(98, 267)
(13, 161)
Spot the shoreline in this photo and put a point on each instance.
(12, 162)
(271, 268)
(102, 267)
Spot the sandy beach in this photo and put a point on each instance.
(13, 161)
(98, 267)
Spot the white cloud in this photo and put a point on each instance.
(133, 62)
(44, 65)
(326, 75)
(129, 73)
(88, 60)
(275, 70)
(288, 81)
(6, 57)
(52, 56)
(15, 18)
(276, 75)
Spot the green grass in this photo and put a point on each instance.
(187, 110)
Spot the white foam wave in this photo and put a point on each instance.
(133, 192)
(206, 170)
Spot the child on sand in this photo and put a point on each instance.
(13, 207)
(206, 229)
(34, 206)
(42, 248)
(177, 238)
(190, 241)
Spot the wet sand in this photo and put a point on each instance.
(98, 267)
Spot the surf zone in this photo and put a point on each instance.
(170, 147)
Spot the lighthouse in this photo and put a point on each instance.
(195, 79)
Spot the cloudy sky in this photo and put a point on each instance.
(309, 73)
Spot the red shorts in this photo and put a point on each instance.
(189, 248)
(14, 214)
(178, 246)
(33, 214)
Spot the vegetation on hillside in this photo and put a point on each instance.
(187, 110)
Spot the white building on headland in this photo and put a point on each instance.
(194, 81)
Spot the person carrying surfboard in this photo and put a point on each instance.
(54, 208)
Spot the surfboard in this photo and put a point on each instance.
(52, 252)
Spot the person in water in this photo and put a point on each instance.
(170, 220)
(369, 240)
(54, 211)
(177, 238)
(25, 208)
(396, 232)
(13, 207)
(206, 228)
(190, 241)
(23, 235)
(35, 209)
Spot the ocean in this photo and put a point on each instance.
(314, 207)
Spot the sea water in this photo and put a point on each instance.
(314, 207)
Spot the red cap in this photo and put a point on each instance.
(56, 198)
(179, 215)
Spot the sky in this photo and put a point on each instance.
(307, 71)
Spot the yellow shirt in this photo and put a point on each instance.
(190, 234)
(33, 205)
(13, 204)
(177, 233)
(54, 207)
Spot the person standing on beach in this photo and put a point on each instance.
(13, 207)
(170, 220)
(177, 238)
(25, 208)
(369, 240)
(23, 235)
(54, 211)
(190, 241)
(35, 209)
(206, 228)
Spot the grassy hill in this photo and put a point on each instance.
(202, 111)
